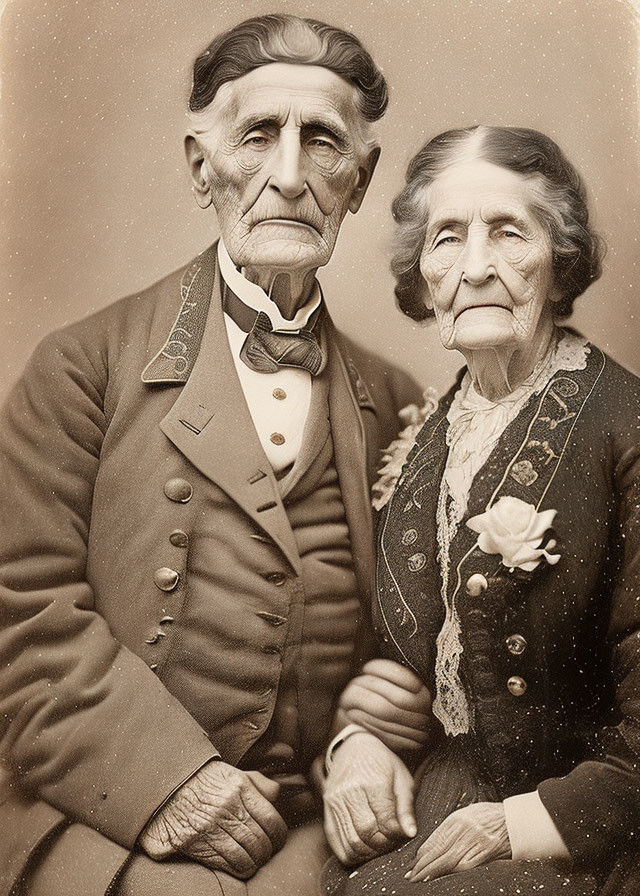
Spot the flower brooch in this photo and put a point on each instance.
(515, 529)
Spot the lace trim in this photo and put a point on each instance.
(395, 456)
(569, 352)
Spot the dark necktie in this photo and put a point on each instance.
(266, 350)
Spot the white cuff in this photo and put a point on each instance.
(339, 739)
(532, 831)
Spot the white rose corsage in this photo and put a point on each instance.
(395, 455)
(514, 529)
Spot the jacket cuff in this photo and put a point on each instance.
(532, 832)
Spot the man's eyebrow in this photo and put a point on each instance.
(255, 121)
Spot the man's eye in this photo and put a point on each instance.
(256, 140)
(510, 234)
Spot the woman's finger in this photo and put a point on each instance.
(394, 672)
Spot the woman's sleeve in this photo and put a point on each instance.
(84, 723)
(596, 807)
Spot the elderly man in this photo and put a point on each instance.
(186, 543)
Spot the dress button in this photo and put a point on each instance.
(179, 539)
(276, 578)
(178, 490)
(280, 394)
(277, 438)
(516, 644)
(517, 686)
(476, 584)
(166, 579)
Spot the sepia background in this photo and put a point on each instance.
(97, 200)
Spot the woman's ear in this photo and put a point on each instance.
(198, 170)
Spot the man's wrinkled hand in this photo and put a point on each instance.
(368, 800)
(223, 818)
(467, 838)
(389, 700)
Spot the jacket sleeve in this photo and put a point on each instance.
(596, 807)
(84, 723)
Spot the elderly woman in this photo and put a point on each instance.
(508, 554)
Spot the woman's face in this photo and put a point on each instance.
(487, 261)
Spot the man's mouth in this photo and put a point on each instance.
(288, 222)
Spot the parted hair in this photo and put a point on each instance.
(287, 38)
(561, 207)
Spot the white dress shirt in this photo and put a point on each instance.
(278, 402)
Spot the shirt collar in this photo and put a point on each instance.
(255, 297)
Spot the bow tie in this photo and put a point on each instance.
(266, 350)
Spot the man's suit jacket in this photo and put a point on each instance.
(128, 454)
(570, 631)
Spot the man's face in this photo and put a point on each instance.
(285, 160)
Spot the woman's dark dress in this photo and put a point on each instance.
(575, 732)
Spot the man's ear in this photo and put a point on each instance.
(198, 170)
(365, 173)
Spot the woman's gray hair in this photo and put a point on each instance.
(562, 208)
(286, 38)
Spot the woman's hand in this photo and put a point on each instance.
(469, 837)
(368, 800)
(390, 701)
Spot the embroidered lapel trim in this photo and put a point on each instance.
(174, 362)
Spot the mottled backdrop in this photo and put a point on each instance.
(97, 193)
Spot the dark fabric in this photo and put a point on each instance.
(575, 732)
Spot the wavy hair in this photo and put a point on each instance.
(561, 207)
(287, 38)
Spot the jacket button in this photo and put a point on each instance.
(476, 584)
(271, 618)
(179, 539)
(517, 686)
(166, 579)
(178, 490)
(270, 648)
(276, 578)
(516, 644)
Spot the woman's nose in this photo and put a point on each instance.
(478, 260)
(288, 174)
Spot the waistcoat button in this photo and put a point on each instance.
(516, 644)
(517, 686)
(179, 539)
(178, 490)
(476, 584)
(166, 579)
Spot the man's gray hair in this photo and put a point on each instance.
(561, 208)
(286, 38)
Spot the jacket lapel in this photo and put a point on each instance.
(210, 423)
(351, 413)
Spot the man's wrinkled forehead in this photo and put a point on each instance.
(283, 92)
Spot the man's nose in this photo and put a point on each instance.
(478, 260)
(288, 174)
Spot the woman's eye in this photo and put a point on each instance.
(449, 240)
(510, 234)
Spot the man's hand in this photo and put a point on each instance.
(368, 800)
(221, 817)
(469, 837)
(389, 700)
